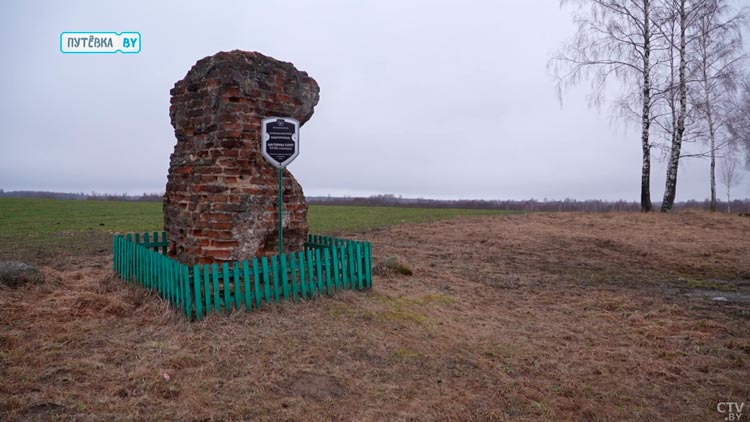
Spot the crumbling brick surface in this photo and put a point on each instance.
(221, 197)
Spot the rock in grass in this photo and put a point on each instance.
(397, 264)
(15, 274)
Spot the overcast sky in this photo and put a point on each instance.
(440, 99)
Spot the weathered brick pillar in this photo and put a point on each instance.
(221, 198)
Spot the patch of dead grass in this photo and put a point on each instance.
(538, 317)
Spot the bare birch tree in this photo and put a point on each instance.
(731, 176)
(718, 54)
(668, 114)
(682, 14)
(738, 122)
(614, 39)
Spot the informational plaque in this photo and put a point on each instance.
(280, 140)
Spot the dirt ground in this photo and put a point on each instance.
(580, 317)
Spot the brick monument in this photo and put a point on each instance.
(221, 197)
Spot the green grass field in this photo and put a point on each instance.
(48, 226)
(332, 218)
(30, 217)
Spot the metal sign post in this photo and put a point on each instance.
(280, 146)
(281, 214)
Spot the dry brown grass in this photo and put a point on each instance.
(523, 317)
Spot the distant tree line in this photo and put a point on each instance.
(568, 204)
(144, 197)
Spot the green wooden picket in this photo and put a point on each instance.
(176, 277)
(302, 280)
(215, 278)
(350, 263)
(359, 266)
(168, 269)
(327, 266)
(293, 276)
(311, 281)
(121, 254)
(180, 283)
(173, 286)
(114, 253)
(319, 272)
(197, 287)
(150, 265)
(136, 262)
(157, 272)
(177, 282)
(236, 279)
(136, 269)
(368, 264)
(284, 276)
(135, 256)
(227, 295)
(310, 273)
(172, 268)
(170, 275)
(275, 273)
(145, 259)
(126, 259)
(186, 299)
(246, 280)
(344, 274)
(170, 280)
(266, 286)
(164, 274)
(335, 265)
(207, 288)
(256, 283)
(184, 274)
(153, 269)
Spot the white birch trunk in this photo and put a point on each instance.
(674, 156)
(646, 115)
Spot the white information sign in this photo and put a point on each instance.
(279, 140)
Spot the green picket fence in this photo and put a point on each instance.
(325, 265)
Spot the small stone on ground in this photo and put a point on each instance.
(398, 264)
(15, 274)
